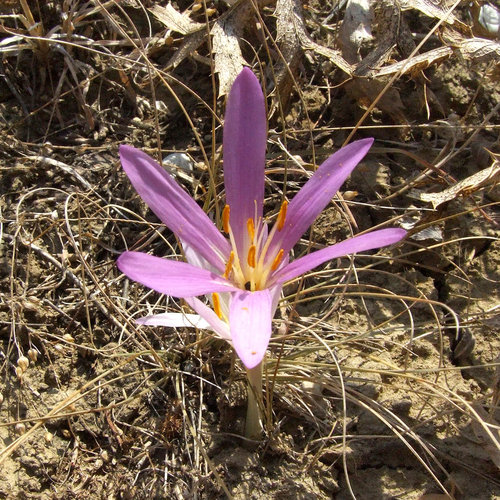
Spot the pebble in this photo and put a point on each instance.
(180, 160)
(489, 19)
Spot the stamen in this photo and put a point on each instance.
(216, 301)
(251, 229)
(229, 265)
(251, 256)
(277, 260)
(282, 215)
(225, 219)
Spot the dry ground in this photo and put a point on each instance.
(382, 376)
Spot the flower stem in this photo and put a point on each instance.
(253, 424)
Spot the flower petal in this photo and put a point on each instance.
(275, 292)
(175, 320)
(317, 192)
(375, 239)
(173, 206)
(244, 144)
(220, 327)
(171, 277)
(250, 318)
(194, 258)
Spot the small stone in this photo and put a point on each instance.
(20, 428)
(179, 160)
(401, 407)
(489, 19)
(312, 388)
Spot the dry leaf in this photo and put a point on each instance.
(415, 64)
(481, 179)
(194, 33)
(228, 59)
(387, 19)
(433, 10)
(174, 20)
(476, 49)
(288, 14)
(455, 34)
(356, 29)
(188, 46)
(480, 49)
(292, 28)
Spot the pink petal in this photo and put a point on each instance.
(275, 291)
(174, 207)
(250, 318)
(318, 191)
(194, 258)
(244, 144)
(220, 327)
(375, 239)
(174, 320)
(171, 277)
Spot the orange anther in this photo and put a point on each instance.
(277, 260)
(225, 219)
(216, 301)
(282, 215)
(251, 229)
(229, 265)
(251, 256)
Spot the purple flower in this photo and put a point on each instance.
(244, 271)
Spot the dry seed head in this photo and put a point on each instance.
(20, 428)
(350, 195)
(33, 355)
(68, 338)
(48, 437)
(1, 399)
(23, 362)
(19, 372)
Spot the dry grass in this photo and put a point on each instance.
(383, 364)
